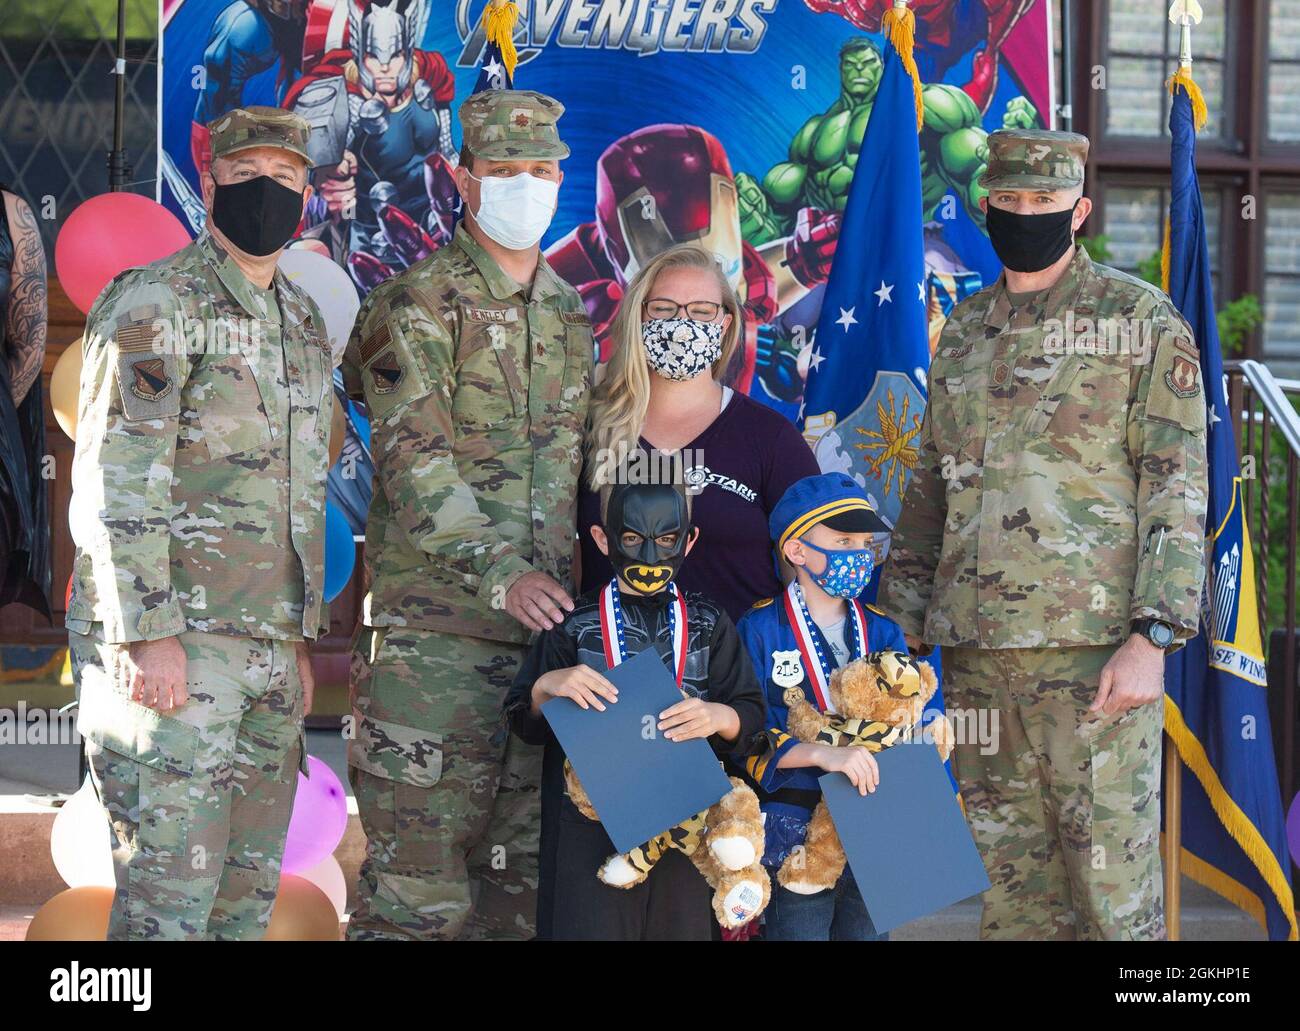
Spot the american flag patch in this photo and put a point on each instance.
(136, 336)
(374, 344)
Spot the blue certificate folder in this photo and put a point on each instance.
(907, 842)
(640, 782)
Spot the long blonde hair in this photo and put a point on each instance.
(620, 402)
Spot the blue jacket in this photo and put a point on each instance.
(788, 796)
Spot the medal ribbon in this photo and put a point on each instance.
(611, 627)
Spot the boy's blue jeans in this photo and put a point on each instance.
(837, 914)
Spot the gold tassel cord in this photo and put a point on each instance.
(899, 26)
(499, 23)
(1183, 78)
(1164, 259)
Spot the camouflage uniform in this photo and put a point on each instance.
(477, 391)
(198, 512)
(1060, 494)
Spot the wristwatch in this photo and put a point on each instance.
(1158, 632)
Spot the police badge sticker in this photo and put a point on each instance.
(787, 668)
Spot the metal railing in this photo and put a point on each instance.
(1269, 443)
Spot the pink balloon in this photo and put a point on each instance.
(110, 233)
(320, 816)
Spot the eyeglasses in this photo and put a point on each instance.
(663, 308)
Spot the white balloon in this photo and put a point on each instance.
(81, 842)
(327, 875)
(330, 287)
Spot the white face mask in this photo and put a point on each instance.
(516, 211)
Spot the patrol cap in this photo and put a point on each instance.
(1034, 159)
(831, 498)
(246, 127)
(512, 124)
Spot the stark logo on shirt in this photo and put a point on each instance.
(698, 477)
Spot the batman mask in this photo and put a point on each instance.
(651, 511)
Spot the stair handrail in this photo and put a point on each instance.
(1272, 393)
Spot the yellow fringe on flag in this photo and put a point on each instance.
(899, 26)
(1164, 259)
(1183, 78)
(499, 22)
(1238, 825)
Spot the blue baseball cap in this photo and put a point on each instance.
(835, 499)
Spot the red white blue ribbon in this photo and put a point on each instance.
(611, 627)
(817, 669)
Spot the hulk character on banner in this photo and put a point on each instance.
(819, 170)
(735, 124)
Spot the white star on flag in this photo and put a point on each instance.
(883, 293)
(494, 68)
(920, 291)
(1214, 415)
(815, 359)
(846, 318)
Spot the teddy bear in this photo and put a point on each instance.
(725, 842)
(877, 701)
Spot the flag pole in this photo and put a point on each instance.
(1182, 13)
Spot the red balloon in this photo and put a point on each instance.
(110, 233)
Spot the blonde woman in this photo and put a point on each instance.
(677, 327)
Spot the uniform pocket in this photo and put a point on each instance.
(232, 412)
(489, 388)
(161, 753)
(118, 724)
(395, 752)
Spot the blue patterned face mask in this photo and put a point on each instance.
(847, 572)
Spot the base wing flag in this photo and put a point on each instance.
(1216, 710)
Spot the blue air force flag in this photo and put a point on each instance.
(1216, 710)
(867, 373)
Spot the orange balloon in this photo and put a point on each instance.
(75, 915)
(65, 388)
(338, 432)
(302, 913)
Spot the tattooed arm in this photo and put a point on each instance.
(27, 301)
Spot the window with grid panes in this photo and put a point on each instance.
(56, 101)
(1141, 53)
(1135, 224)
(1284, 71)
(1282, 281)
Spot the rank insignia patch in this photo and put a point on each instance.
(1184, 378)
(386, 372)
(150, 381)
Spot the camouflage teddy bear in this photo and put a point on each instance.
(725, 842)
(877, 702)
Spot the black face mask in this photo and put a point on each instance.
(257, 215)
(1029, 243)
(650, 511)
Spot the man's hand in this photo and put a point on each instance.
(535, 599)
(305, 674)
(582, 684)
(153, 672)
(339, 188)
(856, 763)
(694, 717)
(916, 646)
(1135, 675)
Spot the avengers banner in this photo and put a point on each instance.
(736, 123)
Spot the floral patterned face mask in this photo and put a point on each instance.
(681, 348)
(847, 572)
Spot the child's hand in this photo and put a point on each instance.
(694, 717)
(580, 683)
(856, 763)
